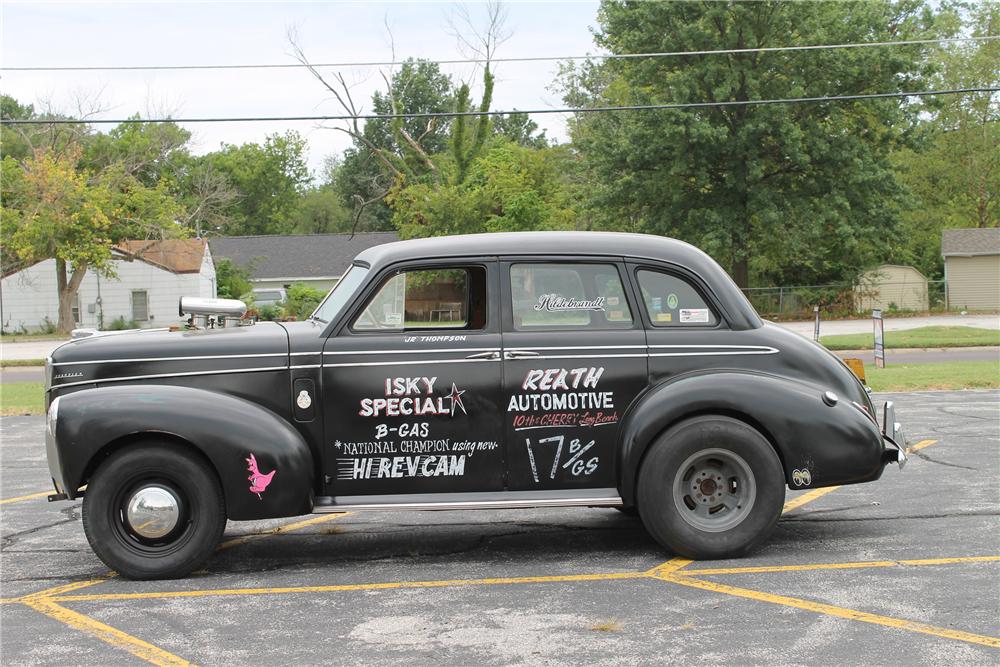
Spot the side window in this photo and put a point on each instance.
(445, 298)
(672, 301)
(579, 296)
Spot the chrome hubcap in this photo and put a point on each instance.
(152, 512)
(714, 490)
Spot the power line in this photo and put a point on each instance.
(457, 114)
(461, 61)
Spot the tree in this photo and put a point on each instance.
(508, 188)
(789, 192)
(321, 211)
(54, 209)
(519, 128)
(231, 279)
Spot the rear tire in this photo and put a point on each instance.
(711, 487)
(154, 511)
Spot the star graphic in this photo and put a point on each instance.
(456, 399)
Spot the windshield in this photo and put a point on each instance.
(340, 294)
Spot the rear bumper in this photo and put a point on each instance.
(892, 435)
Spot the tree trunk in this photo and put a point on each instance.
(67, 287)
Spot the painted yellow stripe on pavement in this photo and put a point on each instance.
(920, 445)
(807, 497)
(66, 588)
(30, 496)
(106, 633)
(388, 585)
(841, 566)
(298, 525)
(831, 610)
(670, 566)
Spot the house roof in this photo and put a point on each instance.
(971, 241)
(299, 256)
(175, 255)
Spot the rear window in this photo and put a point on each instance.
(672, 301)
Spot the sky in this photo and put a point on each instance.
(40, 33)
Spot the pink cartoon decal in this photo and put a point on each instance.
(258, 480)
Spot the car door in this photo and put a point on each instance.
(411, 385)
(574, 359)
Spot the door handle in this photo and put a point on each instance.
(518, 354)
(485, 355)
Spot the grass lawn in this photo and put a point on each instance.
(947, 375)
(922, 337)
(24, 338)
(8, 363)
(22, 398)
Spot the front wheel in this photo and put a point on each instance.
(154, 511)
(711, 487)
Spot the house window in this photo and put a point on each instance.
(76, 309)
(140, 306)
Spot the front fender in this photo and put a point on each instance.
(837, 444)
(226, 429)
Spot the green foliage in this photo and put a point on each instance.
(269, 179)
(783, 193)
(509, 188)
(301, 300)
(121, 324)
(232, 280)
(321, 211)
(270, 313)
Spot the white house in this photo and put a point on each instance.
(152, 276)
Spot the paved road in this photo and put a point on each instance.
(833, 327)
(912, 581)
(32, 349)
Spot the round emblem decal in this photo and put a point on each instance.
(303, 400)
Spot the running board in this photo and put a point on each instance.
(469, 501)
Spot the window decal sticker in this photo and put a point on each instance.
(694, 315)
(555, 303)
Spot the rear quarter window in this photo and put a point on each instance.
(672, 301)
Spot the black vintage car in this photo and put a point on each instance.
(486, 371)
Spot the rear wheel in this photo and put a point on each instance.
(154, 511)
(712, 487)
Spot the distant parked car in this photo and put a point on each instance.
(470, 372)
(268, 296)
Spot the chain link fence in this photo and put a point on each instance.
(846, 299)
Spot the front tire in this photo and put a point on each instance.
(711, 487)
(154, 511)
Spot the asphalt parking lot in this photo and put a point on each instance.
(900, 571)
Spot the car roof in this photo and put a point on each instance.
(570, 244)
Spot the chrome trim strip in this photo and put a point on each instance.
(713, 354)
(171, 375)
(303, 354)
(587, 347)
(712, 347)
(428, 351)
(305, 366)
(614, 501)
(197, 358)
(416, 361)
(579, 356)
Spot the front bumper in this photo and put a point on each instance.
(892, 433)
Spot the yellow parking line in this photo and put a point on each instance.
(831, 610)
(243, 539)
(388, 585)
(672, 565)
(920, 445)
(807, 497)
(30, 496)
(105, 633)
(840, 566)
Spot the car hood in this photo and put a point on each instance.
(162, 353)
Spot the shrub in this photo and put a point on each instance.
(121, 324)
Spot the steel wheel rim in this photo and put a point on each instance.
(714, 490)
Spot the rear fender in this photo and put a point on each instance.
(837, 444)
(227, 430)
